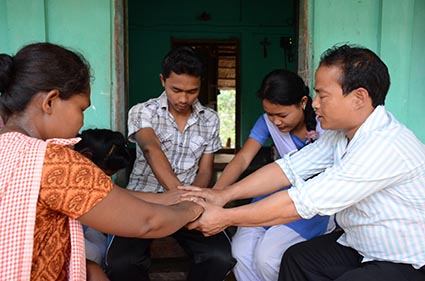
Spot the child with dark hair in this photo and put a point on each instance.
(108, 150)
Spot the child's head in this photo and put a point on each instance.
(286, 97)
(50, 77)
(107, 149)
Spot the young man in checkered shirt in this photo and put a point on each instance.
(176, 139)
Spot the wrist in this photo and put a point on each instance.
(227, 217)
(218, 187)
(197, 211)
(227, 194)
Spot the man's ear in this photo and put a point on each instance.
(361, 96)
(162, 78)
(49, 100)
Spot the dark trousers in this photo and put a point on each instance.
(322, 258)
(129, 258)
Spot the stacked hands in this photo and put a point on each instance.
(211, 201)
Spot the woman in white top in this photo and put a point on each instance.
(290, 121)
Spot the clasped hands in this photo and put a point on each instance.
(213, 220)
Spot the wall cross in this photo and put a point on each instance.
(265, 43)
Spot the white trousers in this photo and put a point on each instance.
(95, 244)
(259, 251)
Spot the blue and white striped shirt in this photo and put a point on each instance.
(375, 184)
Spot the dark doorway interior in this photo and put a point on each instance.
(220, 87)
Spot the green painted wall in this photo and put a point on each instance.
(249, 21)
(395, 30)
(84, 26)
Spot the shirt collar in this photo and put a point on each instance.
(163, 101)
(378, 119)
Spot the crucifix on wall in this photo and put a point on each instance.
(265, 43)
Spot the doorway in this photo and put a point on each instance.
(220, 85)
(141, 39)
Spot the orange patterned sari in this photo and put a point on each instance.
(44, 187)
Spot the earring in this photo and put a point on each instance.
(303, 106)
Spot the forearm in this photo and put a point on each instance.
(231, 173)
(149, 143)
(238, 164)
(125, 215)
(169, 219)
(203, 179)
(168, 198)
(266, 180)
(162, 169)
(273, 210)
(147, 196)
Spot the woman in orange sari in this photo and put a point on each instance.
(46, 188)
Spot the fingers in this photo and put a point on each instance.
(206, 231)
(196, 225)
(192, 198)
(189, 195)
(193, 225)
(199, 200)
(190, 188)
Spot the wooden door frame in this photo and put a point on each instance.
(119, 95)
(304, 41)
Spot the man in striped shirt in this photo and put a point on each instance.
(367, 168)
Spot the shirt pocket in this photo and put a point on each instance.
(197, 146)
(166, 140)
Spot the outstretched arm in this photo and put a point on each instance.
(205, 170)
(275, 209)
(238, 164)
(125, 215)
(265, 180)
(170, 197)
(161, 167)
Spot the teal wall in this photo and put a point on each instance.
(249, 21)
(395, 30)
(84, 26)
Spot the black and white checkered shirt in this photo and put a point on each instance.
(182, 149)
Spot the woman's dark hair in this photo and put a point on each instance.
(182, 60)
(105, 148)
(360, 67)
(41, 67)
(284, 87)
